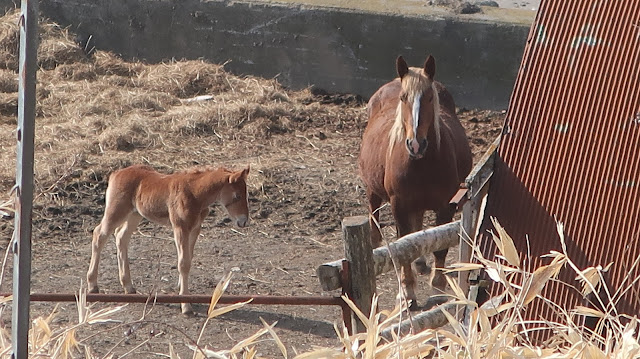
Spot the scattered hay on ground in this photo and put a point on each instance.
(101, 109)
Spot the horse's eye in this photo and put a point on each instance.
(403, 97)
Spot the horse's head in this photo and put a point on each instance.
(235, 198)
(418, 108)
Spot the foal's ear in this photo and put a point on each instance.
(236, 176)
(430, 67)
(401, 66)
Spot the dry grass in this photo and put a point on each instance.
(494, 330)
(98, 109)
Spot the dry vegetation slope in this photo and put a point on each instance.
(96, 113)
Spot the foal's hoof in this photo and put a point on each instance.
(130, 291)
(187, 310)
(93, 290)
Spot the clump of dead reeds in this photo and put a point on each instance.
(493, 330)
(497, 329)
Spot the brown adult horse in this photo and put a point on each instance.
(181, 200)
(414, 154)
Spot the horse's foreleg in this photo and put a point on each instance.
(123, 237)
(404, 225)
(183, 245)
(195, 233)
(374, 218)
(439, 281)
(420, 264)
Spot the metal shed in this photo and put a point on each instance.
(570, 149)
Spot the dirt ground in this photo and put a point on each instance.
(97, 113)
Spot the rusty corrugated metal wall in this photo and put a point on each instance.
(570, 148)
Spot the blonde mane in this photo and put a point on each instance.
(414, 83)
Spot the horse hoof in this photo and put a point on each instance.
(190, 314)
(188, 311)
(413, 305)
(421, 267)
(130, 291)
(93, 290)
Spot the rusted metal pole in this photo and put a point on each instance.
(24, 178)
(190, 298)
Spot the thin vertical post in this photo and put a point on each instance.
(362, 276)
(24, 177)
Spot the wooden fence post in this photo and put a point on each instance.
(359, 252)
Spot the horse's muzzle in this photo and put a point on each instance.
(242, 221)
(417, 149)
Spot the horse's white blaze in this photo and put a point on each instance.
(416, 114)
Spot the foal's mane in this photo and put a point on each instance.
(412, 83)
(204, 169)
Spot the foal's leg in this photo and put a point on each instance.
(443, 216)
(374, 219)
(111, 220)
(196, 230)
(123, 236)
(182, 237)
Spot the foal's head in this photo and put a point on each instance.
(418, 108)
(234, 197)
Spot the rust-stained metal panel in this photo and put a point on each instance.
(570, 148)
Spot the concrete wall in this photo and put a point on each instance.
(334, 49)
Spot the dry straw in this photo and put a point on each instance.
(494, 330)
(105, 112)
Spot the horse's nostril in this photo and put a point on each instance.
(423, 145)
(242, 221)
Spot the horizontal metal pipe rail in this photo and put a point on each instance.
(203, 298)
(189, 298)
(195, 298)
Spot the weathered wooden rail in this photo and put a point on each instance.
(404, 250)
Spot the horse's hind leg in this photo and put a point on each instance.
(100, 236)
(439, 281)
(374, 218)
(123, 237)
(110, 221)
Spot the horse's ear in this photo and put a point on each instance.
(401, 66)
(236, 176)
(430, 67)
